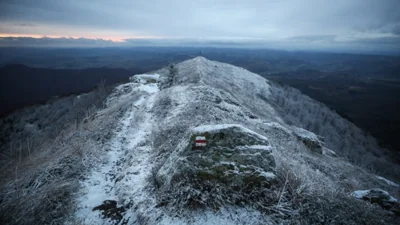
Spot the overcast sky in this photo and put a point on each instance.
(292, 24)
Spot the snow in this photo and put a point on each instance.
(200, 138)
(234, 82)
(257, 147)
(329, 152)
(262, 147)
(130, 157)
(150, 88)
(228, 74)
(148, 76)
(362, 193)
(304, 133)
(144, 78)
(218, 127)
(213, 128)
(232, 215)
(277, 126)
(101, 184)
(267, 174)
(391, 183)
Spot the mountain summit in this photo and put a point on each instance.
(204, 142)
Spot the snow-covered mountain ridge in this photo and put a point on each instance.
(269, 155)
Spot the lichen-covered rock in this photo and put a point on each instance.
(234, 166)
(233, 161)
(228, 135)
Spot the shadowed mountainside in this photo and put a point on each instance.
(21, 85)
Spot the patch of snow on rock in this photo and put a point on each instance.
(218, 127)
(389, 182)
(360, 194)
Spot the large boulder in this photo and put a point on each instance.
(219, 164)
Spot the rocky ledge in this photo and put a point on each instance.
(219, 164)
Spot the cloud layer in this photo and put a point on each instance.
(290, 23)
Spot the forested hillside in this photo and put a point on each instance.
(22, 85)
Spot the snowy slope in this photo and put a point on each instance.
(162, 111)
(99, 186)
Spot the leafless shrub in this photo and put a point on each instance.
(40, 194)
(340, 209)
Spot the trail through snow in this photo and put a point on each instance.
(127, 164)
(108, 180)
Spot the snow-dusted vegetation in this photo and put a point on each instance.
(44, 150)
(339, 134)
(268, 155)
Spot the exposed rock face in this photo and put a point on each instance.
(379, 197)
(234, 159)
(111, 211)
(309, 139)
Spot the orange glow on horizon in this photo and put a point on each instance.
(113, 39)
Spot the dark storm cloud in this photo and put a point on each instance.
(228, 21)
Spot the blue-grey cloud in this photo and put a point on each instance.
(313, 38)
(53, 42)
(393, 42)
(25, 25)
(292, 21)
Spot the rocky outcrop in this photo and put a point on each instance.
(110, 211)
(229, 160)
(161, 164)
(309, 139)
(379, 197)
